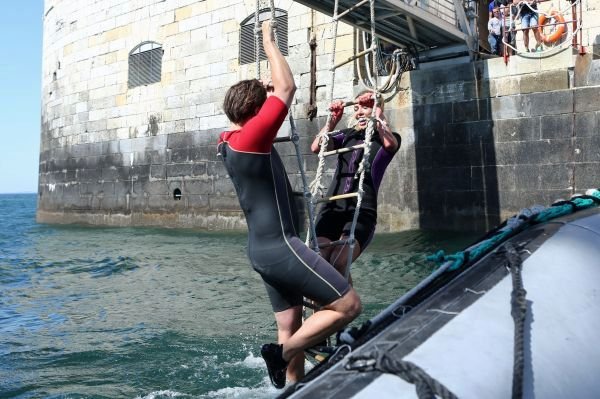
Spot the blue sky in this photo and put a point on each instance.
(20, 94)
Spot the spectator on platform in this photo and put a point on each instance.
(495, 33)
(508, 14)
(529, 21)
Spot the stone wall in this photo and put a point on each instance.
(115, 155)
(483, 140)
(480, 140)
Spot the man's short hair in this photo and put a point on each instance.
(243, 100)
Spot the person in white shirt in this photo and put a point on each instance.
(495, 32)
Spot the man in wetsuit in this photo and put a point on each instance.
(289, 268)
(335, 218)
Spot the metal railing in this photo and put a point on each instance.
(571, 37)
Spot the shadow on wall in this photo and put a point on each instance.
(456, 170)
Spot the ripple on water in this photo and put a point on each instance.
(105, 267)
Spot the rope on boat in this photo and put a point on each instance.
(355, 337)
(527, 217)
(518, 311)
(426, 386)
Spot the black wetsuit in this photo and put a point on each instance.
(288, 267)
(336, 217)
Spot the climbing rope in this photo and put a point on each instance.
(257, 39)
(316, 186)
(426, 386)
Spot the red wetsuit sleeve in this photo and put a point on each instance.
(258, 133)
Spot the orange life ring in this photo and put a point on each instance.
(558, 32)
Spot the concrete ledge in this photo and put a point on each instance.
(206, 221)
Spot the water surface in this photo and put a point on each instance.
(90, 312)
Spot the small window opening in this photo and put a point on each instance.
(247, 52)
(177, 194)
(145, 64)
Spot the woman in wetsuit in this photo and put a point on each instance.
(335, 218)
(289, 268)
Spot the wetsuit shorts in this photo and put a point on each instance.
(298, 272)
(332, 223)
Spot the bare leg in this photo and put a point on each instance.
(526, 39)
(537, 36)
(322, 324)
(288, 322)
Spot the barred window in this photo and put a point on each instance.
(247, 52)
(145, 64)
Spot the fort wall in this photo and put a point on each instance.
(480, 139)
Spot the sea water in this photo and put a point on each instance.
(97, 312)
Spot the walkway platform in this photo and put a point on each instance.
(436, 26)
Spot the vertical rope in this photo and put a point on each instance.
(316, 185)
(375, 45)
(334, 36)
(257, 38)
(274, 22)
(364, 166)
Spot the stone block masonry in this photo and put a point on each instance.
(119, 155)
(480, 140)
(477, 160)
